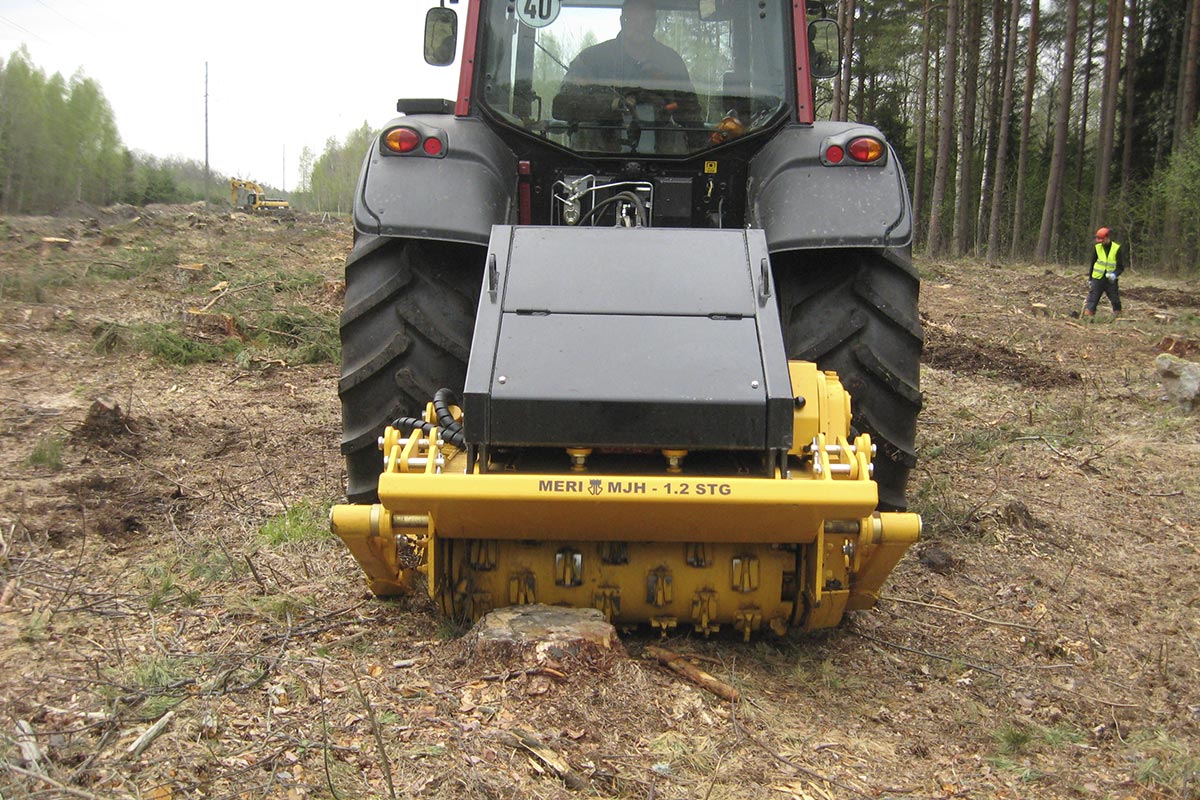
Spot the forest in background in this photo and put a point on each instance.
(1025, 126)
(1022, 127)
(60, 147)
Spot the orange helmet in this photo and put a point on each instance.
(1102, 233)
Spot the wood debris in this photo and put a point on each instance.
(680, 665)
(545, 755)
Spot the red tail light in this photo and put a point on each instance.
(835, 154)
(402, 140)
(865, 149)
(432, 146)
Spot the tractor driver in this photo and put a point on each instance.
(626, 84)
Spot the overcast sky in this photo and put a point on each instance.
(281, 76)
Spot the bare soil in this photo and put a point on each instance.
(163, 557)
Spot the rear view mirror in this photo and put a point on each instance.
(441, 36)
(824, 48)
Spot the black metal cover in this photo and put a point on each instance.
(628, 337)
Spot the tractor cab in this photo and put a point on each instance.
(666, 79)
(613, 80)
(633, 112)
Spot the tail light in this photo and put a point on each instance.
(401, 140)
(866, 149)
(848, 149)
(413, 140)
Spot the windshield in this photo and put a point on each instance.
(597, 77)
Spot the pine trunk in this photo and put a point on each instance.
(1010, 66)
(941, 174)
(1185, 117)
(1026, 117)
(1132, 55)
(1058, 156)
(922, 117)
(990, 126)
(836, 113)
(966, 138)
(1087, 94)
(1108, 112)
(843, 102)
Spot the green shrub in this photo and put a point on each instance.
(48, 452)
(168, 345)
(302, 522)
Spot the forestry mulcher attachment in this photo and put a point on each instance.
(602, 333)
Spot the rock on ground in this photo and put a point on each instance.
(1181, 379)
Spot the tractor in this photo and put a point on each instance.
(627, 327)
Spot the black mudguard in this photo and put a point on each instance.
(802, 204)
(455, 198)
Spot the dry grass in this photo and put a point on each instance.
(178, 566)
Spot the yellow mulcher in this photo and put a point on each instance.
(634, 443)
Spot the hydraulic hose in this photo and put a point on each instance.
(631, 197)
(449, 428)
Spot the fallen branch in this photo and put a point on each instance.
(1089, 698)
(677, 663)
(524, 740)
(1153, 494)
(557, 675)
(62, 787)
(961, 613)
(213, 302)
(799, 768)
(387, 762)
(274, 332)
(254, 572)
(31, 751)
(10, 589)
(152, 733)
(927, 654)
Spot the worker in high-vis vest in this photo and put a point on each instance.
(1107, 264)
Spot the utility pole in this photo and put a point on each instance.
(206, 180)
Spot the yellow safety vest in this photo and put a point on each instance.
(1105, 262)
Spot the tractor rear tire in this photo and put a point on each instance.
(855, 312)
(406, 332)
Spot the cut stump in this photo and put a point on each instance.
(536, 635)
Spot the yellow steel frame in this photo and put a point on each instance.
(799, 548)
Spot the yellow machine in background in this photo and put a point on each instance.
(249, 196)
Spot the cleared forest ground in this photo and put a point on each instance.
(164, 556)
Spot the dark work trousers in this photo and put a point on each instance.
(1099, 286)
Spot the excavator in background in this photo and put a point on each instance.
(249, 196)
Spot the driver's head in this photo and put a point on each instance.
(638, 19)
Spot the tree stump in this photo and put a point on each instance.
(540, 635)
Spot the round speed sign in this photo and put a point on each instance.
(538, 13)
